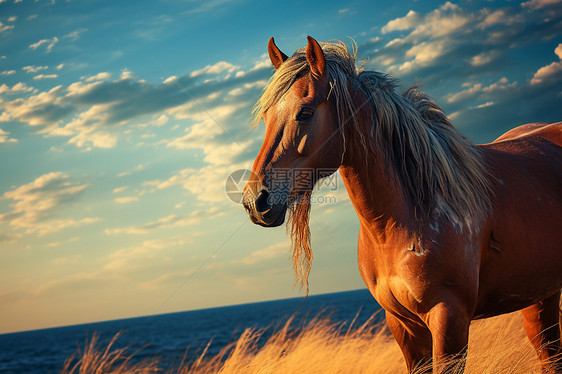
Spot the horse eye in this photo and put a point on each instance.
(305, 114)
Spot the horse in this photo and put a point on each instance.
(449, 231)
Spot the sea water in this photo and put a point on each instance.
(170, 336)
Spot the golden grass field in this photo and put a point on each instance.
(497, 345)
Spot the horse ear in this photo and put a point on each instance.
(315, 58)
(275, 55)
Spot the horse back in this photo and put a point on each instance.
(522, 243)
(531, 152)
(550, 131)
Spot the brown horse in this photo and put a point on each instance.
(449, 231)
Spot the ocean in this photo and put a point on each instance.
(170, 336)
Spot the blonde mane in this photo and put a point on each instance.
(440, 171)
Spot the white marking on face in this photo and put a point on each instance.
(302, 144)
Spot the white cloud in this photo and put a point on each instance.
(246, 87)
(423, 55)
(478, 89)
(537, 4)
(99, 76)
(271, 252)
(403, 23)
(36, 204)
(48, 227)
(443, 21)
(67, 260)
(219, 67)
(126, 199)
(126, 74)
(157, 122)
(497, 17)
(49, 44)
(4, 28)
(551, 71)
(56, 149)
(170, 79)
(16, 88)
(8, 72)
(263, 62)
(88, 111)
(33, 69)
(139, 167)
(170, 221)
(201, 134)
(59, 66)
(81, 280)
(197, 135)
(120, 189)
(9, 238)
(75, 35)
(133, 257)
(5, 138)
(476, 40)
(160, 121)
(207, 183)
(45, 76)
(484, 58)
(85, 129)
(80, 88)
(346, 11)
(429, 37)
(485, 105)
(99, 139)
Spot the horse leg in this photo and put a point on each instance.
(414, 341)
(449, 323)
(542, 324)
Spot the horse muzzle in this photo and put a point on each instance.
(265, 209)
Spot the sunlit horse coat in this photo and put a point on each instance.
(449, 231)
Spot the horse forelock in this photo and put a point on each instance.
(431, 160)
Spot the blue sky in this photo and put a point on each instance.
(120, 122)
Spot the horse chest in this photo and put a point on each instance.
(409, 275)
(403, 276)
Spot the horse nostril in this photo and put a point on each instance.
(262, 202)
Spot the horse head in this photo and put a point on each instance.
(301, 143)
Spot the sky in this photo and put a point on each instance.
(120, 122)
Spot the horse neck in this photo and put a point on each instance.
(373, 186)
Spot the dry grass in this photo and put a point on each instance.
(497, 345)
(107, 361)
